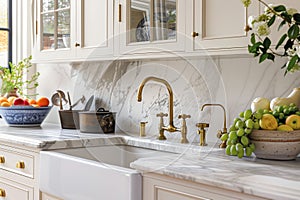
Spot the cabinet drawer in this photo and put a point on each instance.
(13, 191)
(16, 161)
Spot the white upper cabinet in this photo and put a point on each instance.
(94, 29)
(79, 30)
(68, 30)
(150, 26)
(219, 25)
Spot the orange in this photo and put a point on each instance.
(43, 102)
(32, 101)
(11, 100)
(3, 99)
(5, 104)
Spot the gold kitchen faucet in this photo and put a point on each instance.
(170, 127)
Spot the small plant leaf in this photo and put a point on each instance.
(253, 38)
(281, 25)
(281, 40)
(297, 17)
(271, 21)
(271, 57)
(263, 57)
(293, 31)
(292, 62)
(288, 45)
(279, 8)
(267, 43)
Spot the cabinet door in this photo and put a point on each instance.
(150, 26)
(220, 24)
(13, 191)
(55, 30)
(95, 28)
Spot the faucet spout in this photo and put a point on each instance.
(224, 113)
(171, 127)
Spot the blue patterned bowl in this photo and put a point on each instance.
(24, 116)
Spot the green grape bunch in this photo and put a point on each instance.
(237, 139)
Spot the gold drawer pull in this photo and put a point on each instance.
(2, 159)
(20, 165)
(2, 193)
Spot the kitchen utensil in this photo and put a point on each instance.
(69, 119)
(101, 121)
(89, 103)
(69, 100)
(82, 99)
(59, 99)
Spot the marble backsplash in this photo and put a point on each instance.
(231, 81)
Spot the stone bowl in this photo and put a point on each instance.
(24, 116)
(276, 145)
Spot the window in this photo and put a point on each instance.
(5, 32)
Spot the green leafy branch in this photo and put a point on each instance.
(261, 44)
(14, 78)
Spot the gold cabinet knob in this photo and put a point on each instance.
(2, 159)
(20, 165)
(77, 44)
(194, 34)
(2, 193)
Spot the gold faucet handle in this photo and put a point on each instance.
(202, 125)
(184, 116)
(162, 115)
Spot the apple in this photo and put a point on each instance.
(293, 121)
(284, 127)
(18, 102)
(268, 122)
(26, 103)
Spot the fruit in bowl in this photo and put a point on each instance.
(20, 113)
(269, 134)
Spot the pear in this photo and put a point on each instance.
(284, 127)
(268, 122)
(260, 103)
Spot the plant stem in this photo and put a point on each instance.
(273, 11)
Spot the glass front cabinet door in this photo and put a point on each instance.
(73, 30)
(150, 26)
(54, 29)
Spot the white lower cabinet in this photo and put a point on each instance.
(18, 173)
(45, 196)
(10, 190)
(160, 187)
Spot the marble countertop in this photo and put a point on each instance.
(264, 178)
(51, 136)
(207, 165)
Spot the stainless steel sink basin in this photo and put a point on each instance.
(91, 173)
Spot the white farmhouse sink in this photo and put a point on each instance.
(93, 173)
